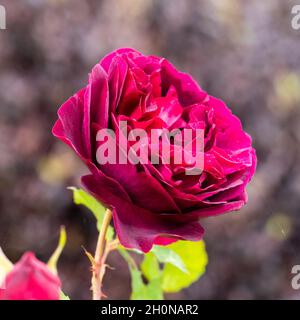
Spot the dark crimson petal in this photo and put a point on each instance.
(137, 227)
(97, 97)
(215, 210)
(143, 189)
(73, 126)
(70, 127)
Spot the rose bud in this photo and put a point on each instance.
(156, 203)
(30, 279)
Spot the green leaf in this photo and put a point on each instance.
(63, 296)
(80, 197)
(194, 256)
(127, 257)
(83, 198)
(142, 291)
(167, 255)
(150, 267)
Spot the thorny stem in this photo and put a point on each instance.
(101, 253)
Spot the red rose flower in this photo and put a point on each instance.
(156, 203)
(30, 279)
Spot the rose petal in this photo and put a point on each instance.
(137, 227)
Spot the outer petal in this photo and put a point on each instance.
(216, 209)
(143, 189)
(97, 100)
(136, 227)
(89, 105)
(70, 126)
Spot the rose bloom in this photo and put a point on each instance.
(156, 203)
(30, 279)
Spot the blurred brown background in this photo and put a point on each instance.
(244, 52)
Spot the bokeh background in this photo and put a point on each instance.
(244, 52)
